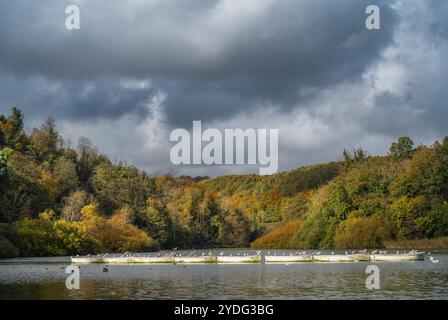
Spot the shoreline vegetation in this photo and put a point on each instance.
(56, 199)
(420, 244)
(279, 238)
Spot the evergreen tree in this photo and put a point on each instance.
(13, 131)
(44, 142)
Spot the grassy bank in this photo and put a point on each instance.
(439, 243)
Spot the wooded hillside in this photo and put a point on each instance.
(60, 200)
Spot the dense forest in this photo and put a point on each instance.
(391, 201)
(59, 200)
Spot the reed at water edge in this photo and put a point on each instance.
(421, 244)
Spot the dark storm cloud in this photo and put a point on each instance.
(136, 69)
(212, 58)
(73, 99)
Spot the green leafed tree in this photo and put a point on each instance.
(118, 185)
(156, 221)
(403, 148)
(234, 229)
(65, 173)
(22, 194)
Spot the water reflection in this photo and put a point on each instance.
(407, 280)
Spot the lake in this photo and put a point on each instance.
(44, 278)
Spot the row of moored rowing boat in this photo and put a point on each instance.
(258, 258)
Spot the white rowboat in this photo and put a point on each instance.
(122, 260)
(418, 256)
(86, 260)
(291, 259)
(204, 259)
(335, 258)
(239, 259)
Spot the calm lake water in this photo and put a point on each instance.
(38, 278)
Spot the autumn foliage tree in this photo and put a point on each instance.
(58, 200)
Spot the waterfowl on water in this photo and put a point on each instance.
(433, 260)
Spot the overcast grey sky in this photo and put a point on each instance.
(138, 69)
